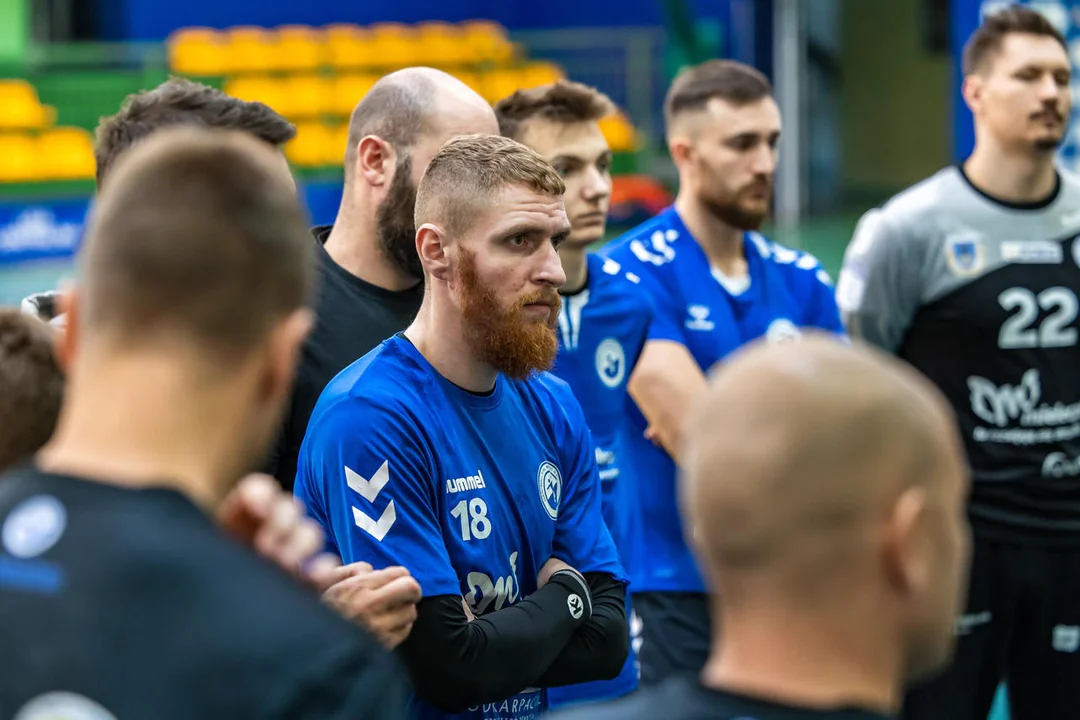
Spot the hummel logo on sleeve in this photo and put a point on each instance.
(369, 490)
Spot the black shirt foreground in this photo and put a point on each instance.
(684, 698)
(352, 317)
(133, 600)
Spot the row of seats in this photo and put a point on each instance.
(246, 49)
(61, 153)
(302, 96)
(20, 107)
(320, 145)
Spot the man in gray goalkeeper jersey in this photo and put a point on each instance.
(972, 276)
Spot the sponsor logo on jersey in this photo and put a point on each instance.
(610, 362)
(1023, 404)
(487, 595)
(782, 330)
(469, 482)
(1066, 638)
(1033, 252)
(699, 318)
(33, 526)
(964, 254)
(1060, 465)
(549, 483)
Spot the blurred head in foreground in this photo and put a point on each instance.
(31, 386)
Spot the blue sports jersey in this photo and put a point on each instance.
(602, 330)
(472, 493)
(788, 290)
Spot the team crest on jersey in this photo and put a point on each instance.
(610, 362)
(782, 330)
(549, 483)
(964, 254)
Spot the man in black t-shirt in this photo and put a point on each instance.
(120, 594)
(823, 493)
(370, 279)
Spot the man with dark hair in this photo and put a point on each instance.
(371, 282)
(381, 602)
(604, 317)
(449, 451)
(715, 284)
(130, 598)
(31, 386)
(183, 102)
(823, 492)
(972, 275)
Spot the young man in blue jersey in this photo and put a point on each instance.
(715, 284)
(447, 451)
(604, 318)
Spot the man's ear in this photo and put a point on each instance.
(431, 247)
(66, 323)
(905, 538)
(375, 160)
(972, 90)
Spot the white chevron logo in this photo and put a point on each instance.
(369, 490)
(376, 528)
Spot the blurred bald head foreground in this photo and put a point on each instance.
(824, 492)
(192, 225)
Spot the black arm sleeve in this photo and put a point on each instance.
(598, 649)
(455, 664)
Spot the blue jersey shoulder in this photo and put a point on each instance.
(799, 266)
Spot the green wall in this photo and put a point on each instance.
(894, 105)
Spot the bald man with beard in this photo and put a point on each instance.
(370, 277)
(823, 492)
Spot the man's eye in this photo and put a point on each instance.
(518, 241)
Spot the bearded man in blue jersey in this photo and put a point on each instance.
(447, 451)
(604, 318)
(715, 284)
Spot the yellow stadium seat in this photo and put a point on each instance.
(442, 45)
(251, 50)
(20, 107)
(619, 133)
(348, 90)
(66, 153)
(488, 42)
(18, 161)
(347, 46)
(394, 45)
(300, 47)
(198, 51)
(311, 146)
(254, 88)
(339, 143)
(304, 96)
(498, 84)
(540, 73)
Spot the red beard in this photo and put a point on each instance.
(503, 338)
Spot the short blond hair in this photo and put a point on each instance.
(468, 170)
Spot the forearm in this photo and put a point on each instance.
(455, 663)
(598, 649)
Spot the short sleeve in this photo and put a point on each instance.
(370, 476)
(880, 285)
(824, 313)
(582, 538)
